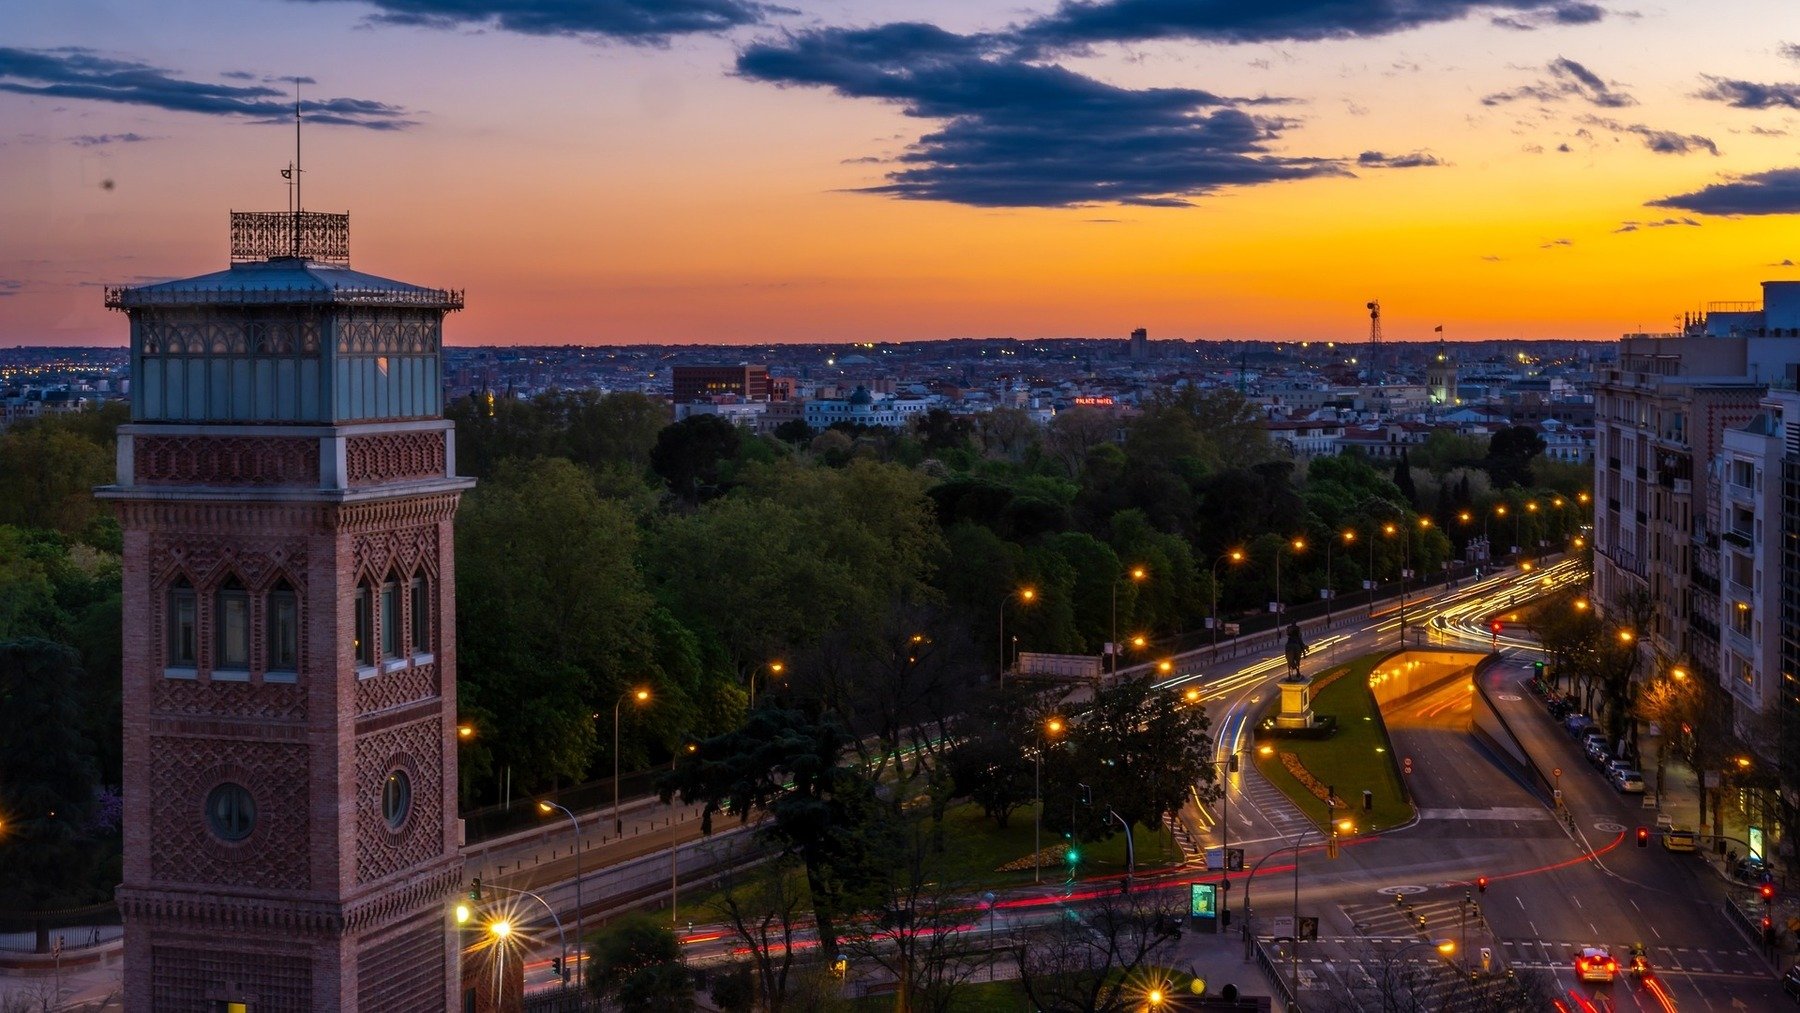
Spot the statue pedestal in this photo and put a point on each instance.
(1296, 704)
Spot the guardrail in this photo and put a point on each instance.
(1278, 983)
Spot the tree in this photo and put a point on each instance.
(49, 473)
(1088, 961)
(1510, 453)
(1403, 480)
(636, 963)
(786, 764)
(1140, 751)
(554, 622)
(992, 761)
(689, 453)
(1072, 435)
(52, 853)
(763, 909)
(938, 431)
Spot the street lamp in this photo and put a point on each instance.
(1050, 727)
(674, 845)
(1026, 595)
(642, 696)
(548, 807)
(1299, 545)
(1138, 574)
(501, 930)
(1236, 556)
(775, 669)
(1330, 590)
(1446, 949)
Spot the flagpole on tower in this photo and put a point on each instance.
(297, 201)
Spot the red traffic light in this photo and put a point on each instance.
(1495, 626)
(1768, 891)
(1481, 883)
(1643, 837)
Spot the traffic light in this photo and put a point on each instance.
(1767, 891)
(556, 966)
(1643, 837)
(1481, 884)
(1074, 856)
(475, 888)
(1495, 626)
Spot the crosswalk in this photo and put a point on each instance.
(1269, 803)
(1411, 920)
(1537, 954)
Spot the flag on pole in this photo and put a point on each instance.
(1439, 328)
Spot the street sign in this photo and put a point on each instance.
(1407, 766)
(1309, 929)
(1282, 926)
(1487, 960)
(1556, 772)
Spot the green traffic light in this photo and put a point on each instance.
(1074, 856)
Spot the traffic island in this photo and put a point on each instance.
(1356, 759)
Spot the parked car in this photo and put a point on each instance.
(1614, 767)
(1561, 708)
(1578, 724)
(1629, 782)
(1790, 982)
(1749, 869)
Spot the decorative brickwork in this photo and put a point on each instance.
(188, 698)
(183, 849)
(200, 977)
(402, 971)
(396, 689)
(416, 749)
(206, 560)
(402, 552)
(371, 460)
(259, 461)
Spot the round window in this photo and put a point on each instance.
(230, 811)
(396, 798)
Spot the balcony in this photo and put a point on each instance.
(1740, 537)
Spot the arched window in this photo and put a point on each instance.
(390, 617)
(421, 615)
(231, 627)
(281, 632)
(183, 650)
(364, 644)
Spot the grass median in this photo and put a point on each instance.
(1356, 758)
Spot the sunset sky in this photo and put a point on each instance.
(729, 171)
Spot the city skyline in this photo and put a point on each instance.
(720, 171)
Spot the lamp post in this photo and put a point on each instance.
(775, 669)
(503, 930)
(641, 696)
(547, 807)
(1445, 947)
(1499, 511)
(1530, 507)
(1138, 574)
(1299, 545)
(1024, 594)
(1051, 726)
(1250, 880)
(675, 846)
(1236, 556)
(1348, 536)
(1369, 574)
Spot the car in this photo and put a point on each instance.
(1790, 982)
(1593, 963)
(1629, 782)
(1678, 839)
(1749, 869)
(1614, 766)
(1597, 753)
(1578, 724)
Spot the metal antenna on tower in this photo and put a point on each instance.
(1374, 306)
(297, 203)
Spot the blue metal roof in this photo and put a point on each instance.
(289, 280)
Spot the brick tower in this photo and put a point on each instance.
(286, 486)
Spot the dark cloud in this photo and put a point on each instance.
(1411, 160)
(641, 22)
(1791, 50)
(1564, 148)
(1663, 142)
(1562, 14)
(1665, 223)
(1492, 258)
(1774, 192)
(1554, 243)
(237, 75)
(98, 140)
(1749, 94)
(1075, 24)
(1017, 133)
(1568, 79)
(1783, 263)
(1768, 131)
(9, 286)
(76, 73)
